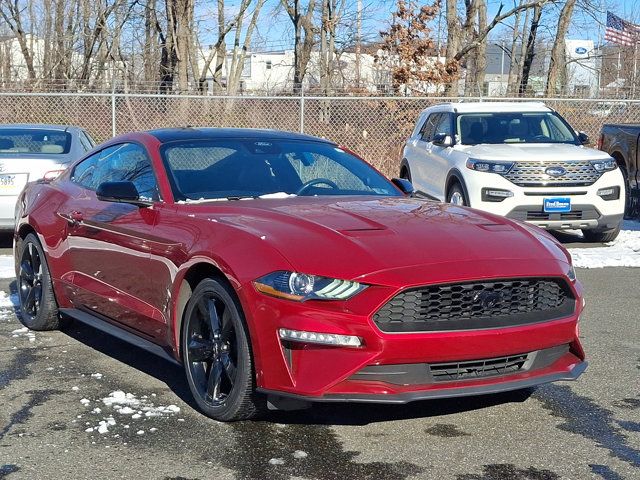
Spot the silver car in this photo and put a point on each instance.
(28, 152)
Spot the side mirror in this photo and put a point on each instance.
(404, 185)
(583, 138)
(442, 140)
(120, 192)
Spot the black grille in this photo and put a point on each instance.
(476, 305)
(444, 372)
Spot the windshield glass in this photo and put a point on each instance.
(31, 140)
(516, 127)
(241, 168)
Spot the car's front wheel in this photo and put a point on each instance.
(217, 354)
(38, 306)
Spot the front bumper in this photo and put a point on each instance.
(589, 211)
(328, 373)
(456, 391)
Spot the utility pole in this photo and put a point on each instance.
(358, 41)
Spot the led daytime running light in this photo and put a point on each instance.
(320, 338)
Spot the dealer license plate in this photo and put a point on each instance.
(557, 204)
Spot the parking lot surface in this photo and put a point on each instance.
(79, 404)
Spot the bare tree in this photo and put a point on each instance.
(11, 12)
(557, 65)
(531, 42)
(304, 37)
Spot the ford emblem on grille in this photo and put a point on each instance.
(488, 299)
(555, 171)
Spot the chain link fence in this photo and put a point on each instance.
(374, 127)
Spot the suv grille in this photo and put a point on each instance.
(476, 305)
(444, 372)
(532, 174)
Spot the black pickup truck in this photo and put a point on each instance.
(622, 142)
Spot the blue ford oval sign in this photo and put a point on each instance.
(555, 171)
(581, 50)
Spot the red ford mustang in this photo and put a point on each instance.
(280, 268)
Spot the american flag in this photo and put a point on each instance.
(620, 31)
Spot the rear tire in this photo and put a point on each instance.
(601, 236)
(38, 306)
(456, 196)
(217, 354)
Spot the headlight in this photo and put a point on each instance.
(571, 273)
(300, 286)
(491, 167)
(604, 165)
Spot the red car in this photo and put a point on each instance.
(279, 267)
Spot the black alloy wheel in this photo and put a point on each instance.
(38, 307)
(217, 354)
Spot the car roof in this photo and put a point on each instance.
(192, 133)
(38, 126)
(486, 107)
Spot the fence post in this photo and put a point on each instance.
(301, 110)
(113, 113)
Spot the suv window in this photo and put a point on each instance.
(444, 124)
(436, 123)
(127, 162)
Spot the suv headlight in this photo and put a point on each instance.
(300, 286)
(604, 165)
(491, 167)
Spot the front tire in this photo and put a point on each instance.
(456, 196)
(601, 236)
(38, 306)
(217, 355)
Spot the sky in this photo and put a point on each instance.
(274, 30)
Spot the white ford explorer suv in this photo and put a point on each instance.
(520, 160)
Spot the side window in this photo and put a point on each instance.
(428, 130)
(84, 171)
(118, 163)
(127, 163)
(444, 124)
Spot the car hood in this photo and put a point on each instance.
(354, 236)
(548, 152)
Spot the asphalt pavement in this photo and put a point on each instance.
(64, 414)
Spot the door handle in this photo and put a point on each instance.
(73, 218)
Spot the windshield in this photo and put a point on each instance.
(31, 140)
(250, 168)
(516, 127)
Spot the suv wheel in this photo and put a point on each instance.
(601, 236)
(456, 196)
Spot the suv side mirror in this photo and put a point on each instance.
(405, 185)
(120, 192)
(442, 140)
(583, 138)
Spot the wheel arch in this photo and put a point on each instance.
(454, 176)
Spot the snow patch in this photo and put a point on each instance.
(300, 454)
(624, 251)
(129, 404)
(7, 266)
